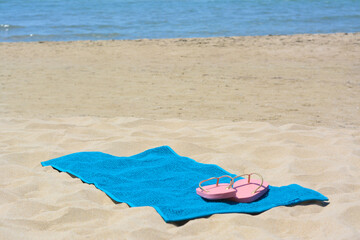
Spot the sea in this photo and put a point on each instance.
(72, 20)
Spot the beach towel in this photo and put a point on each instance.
(162, 179)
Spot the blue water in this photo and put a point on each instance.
(65, 20)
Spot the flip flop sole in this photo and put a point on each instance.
(245, 190)
(216, 192)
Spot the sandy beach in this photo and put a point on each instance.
(285, 106)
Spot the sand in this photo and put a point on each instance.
(284, 106)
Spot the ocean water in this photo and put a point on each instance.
(66, 20)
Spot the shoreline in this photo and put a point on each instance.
(185, 38)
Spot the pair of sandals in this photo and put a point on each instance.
(244, 190)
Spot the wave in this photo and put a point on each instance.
(341, 17)
(66, 37)
(94, 26)
(9, 26)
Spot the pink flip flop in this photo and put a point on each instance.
(216, 191)
(249, 190)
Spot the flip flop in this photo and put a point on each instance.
(249, 190)
(216, 191)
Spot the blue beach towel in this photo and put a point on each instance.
(162, 179)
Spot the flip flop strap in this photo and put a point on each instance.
(249, 175)
(217, 182)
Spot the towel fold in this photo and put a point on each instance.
(162, 179)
